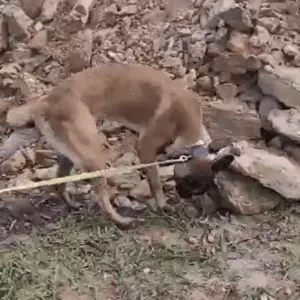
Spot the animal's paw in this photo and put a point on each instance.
(70, 202)
(167, 208)
(130, 223)
(152, 205)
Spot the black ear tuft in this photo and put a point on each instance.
(222, 163)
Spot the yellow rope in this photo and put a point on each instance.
(89, 175)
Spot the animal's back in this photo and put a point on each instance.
(130, 92)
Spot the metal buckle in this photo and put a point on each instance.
(184, 158)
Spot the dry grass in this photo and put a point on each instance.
(154, 261)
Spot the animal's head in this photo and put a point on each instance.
(196, 176)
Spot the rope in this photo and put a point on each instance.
(89, 175)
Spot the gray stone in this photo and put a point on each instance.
(260, 38)
(238, 42)
(197, 51)
(286, 122)
(281, 82)
(227, 91)
(171, 62)
(271, 23)
(250, 96)
(14, 164)
(166, 172)
(111, 127)
(32, 7)
(18, 139)
(81, 10)
(266, 105)
(243, 195)
(189, 80)
(81, 50)
(276, 142)
(124, 202)
(221, 35)
(46, 173)
(235, 63)
(18, 22)
(141, 191)
(3, 34)
(290, 50)
(268, 59)
(231, 13)
(19, 116)
(32, 87)
(205, 83)
(128, 10)
(39, 40)
(127, 159)
(272, 171)
(229, 115)
(49, 9)
(127, 180)
(293, 151)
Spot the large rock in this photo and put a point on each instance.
(81, 50)
(221, 121)
(81, 10)
(260, 38)
(235, 63)
(293, 151)
(39, 40)
(18, 22)
(14, 164)
(31, 87)
(286, 122)
(281, 82)
(19, 116)
(272, 171)
(18, 139)
(130, 179)
(3, 35)
(32, 7)
(231, 13)
(265, 106)
(238, 42)
(49, 9)
(243, 195)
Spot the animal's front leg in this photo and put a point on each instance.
(65, 166)
(147, 149)
(156, 189)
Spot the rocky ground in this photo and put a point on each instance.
(239, 242)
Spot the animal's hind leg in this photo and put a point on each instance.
(82, 145)
(65, 166)
(91, 160)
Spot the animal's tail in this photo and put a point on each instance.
(21, 116)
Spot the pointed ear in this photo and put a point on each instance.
(222, 163)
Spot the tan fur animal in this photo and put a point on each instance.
(143, 99)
